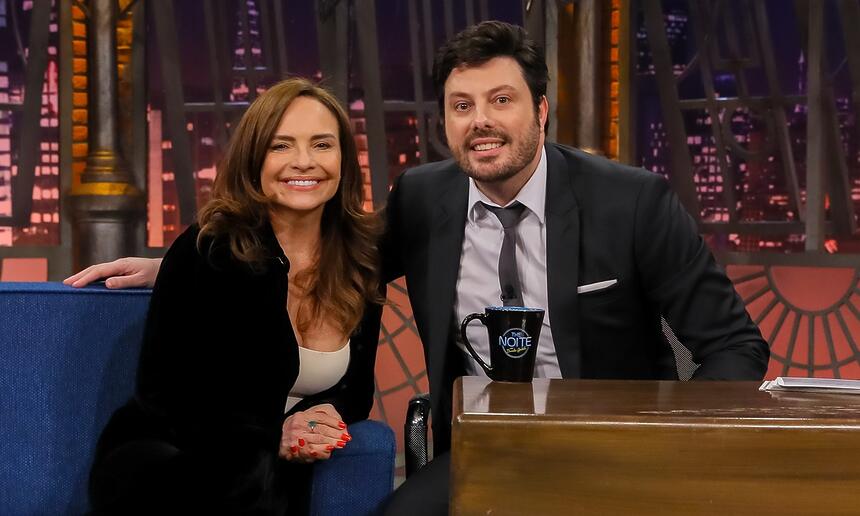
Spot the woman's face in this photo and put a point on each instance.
(301, 171)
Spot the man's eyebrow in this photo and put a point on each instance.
(490, 92)
(500, 88)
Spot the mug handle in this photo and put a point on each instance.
(469, 318)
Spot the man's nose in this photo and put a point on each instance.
(482, 119)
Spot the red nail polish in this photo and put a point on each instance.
(313, 454)
(346, 437)
(301, 442)
(329, 447)
(341, 444)
(342, 425)
(294, 449)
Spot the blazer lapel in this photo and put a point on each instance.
(562, 262)
(445, 247)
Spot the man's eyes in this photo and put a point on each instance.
(463, 106)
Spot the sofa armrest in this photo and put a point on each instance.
(358, 478)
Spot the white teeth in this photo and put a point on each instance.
(302, 182)
(486, 146)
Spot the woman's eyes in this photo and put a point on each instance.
(283, 146)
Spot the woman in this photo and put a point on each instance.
(271, 303)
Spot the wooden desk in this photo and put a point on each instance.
(639, 447)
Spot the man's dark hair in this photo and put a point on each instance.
(479, 43)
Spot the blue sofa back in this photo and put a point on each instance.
(68, 359)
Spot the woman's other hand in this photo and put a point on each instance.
(313, 434)
(121, 273)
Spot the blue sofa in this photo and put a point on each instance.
(67, 361)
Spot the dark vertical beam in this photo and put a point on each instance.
(534, 19)
(365, 22)
(139, 95)
(280, 25)
(417, 81)
(139, 123)
(449, 18)
(566, 112)
(484, 10)
(174, 107)
(61, 266)
(786, 156)
(626, 85)
(706, 42)
(216, 74)
(266, 31)
(470, 12)
(28, 145)
(837, 182)
(849, 12)
(250, 68)
(681, 162)
(427, 29)
(586, 81)
(551, 28)
(332, 20)
(815, 140)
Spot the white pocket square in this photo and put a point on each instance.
(591, 287)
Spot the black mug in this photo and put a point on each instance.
(513, 332)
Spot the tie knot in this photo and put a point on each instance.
(510, 216)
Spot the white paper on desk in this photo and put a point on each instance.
(787, 383)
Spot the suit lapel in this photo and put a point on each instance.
(562, 262)
(445, 247)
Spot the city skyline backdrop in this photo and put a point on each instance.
(759, 182)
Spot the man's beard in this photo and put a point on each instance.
(522, 152)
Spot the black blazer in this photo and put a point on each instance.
(220, 356)
(604, 221)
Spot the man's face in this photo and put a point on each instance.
(490, 120)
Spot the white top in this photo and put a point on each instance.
(478, 282)
(318, 371)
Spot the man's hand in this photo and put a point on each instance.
(122, 273)
(313, 434)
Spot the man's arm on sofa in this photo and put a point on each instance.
(122, 273)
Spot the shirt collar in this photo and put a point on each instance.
(532, 195)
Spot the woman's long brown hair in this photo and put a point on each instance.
(346, 275)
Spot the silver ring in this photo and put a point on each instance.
(312, 424)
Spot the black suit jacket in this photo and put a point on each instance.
(604, 221)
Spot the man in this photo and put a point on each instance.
(605, 248)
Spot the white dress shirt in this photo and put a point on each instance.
(478, 282)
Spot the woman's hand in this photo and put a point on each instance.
(313, 434)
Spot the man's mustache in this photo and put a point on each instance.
(484, 133)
